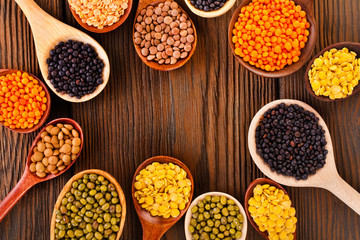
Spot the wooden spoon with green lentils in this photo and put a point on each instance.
(91, 208)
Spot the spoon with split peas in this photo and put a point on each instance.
(29, 179)
(153, 64)
(250, 193)
(326, 177)
(48, 32)
(155, 227)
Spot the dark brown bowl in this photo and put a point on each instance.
(307, 6)
(352, 46)
(106, 28)
(48, 103)
(249, 194)
(162, 67)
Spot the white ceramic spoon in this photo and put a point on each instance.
(48, 32)
(326, 177)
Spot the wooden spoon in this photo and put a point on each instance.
(326, 177)
(352, 46)
(106, 28)
(308, 7)
(155, 227)
(188, 215)
(48, 103)
(48, 32)
(249, 193)
(67, 188)
(28, 178)
(161, 67)
(211, 14)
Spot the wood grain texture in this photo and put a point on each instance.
(199, 114)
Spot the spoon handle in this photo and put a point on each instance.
(345, 193)
(31, 10)
(152, 235)
(25, 183)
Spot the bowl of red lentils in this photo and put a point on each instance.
(272, 38)
(100, 16)
(24, 101)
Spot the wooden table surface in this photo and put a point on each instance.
(199, 114)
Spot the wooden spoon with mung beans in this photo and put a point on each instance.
(28, 178)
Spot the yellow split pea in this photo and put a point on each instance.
(271, 210)
(335, 73)
(163, 189)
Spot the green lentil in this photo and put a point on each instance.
(89, 210)
(216, 217)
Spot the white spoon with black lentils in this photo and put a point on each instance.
(291, 144)
(74, 65)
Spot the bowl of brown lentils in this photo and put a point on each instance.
(164, 35)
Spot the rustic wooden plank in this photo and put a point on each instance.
(199, 114)
(337, 21)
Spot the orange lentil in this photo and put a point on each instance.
(22, 99)
(270, 34)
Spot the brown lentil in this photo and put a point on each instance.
(160, 30)
(52, 154)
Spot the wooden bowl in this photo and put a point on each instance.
(155, 227)
(48, 103)
(188, 215)
(352, 46)
(307, 6)
(29, 179)
(162, 67)
(211, 14)
(68, 186)
(106, 28)
(249, 193)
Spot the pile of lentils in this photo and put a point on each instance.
(291, 141)
(208, 5)
(164, 33)
(90, 210)
(75, 68)
(58, 146)
(216, 217)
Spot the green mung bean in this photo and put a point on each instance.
(91, 209)
(216, 217)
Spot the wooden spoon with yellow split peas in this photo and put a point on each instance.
(162, 190)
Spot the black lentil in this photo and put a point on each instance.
(208, 5)
(291, 141)
(75, 68)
